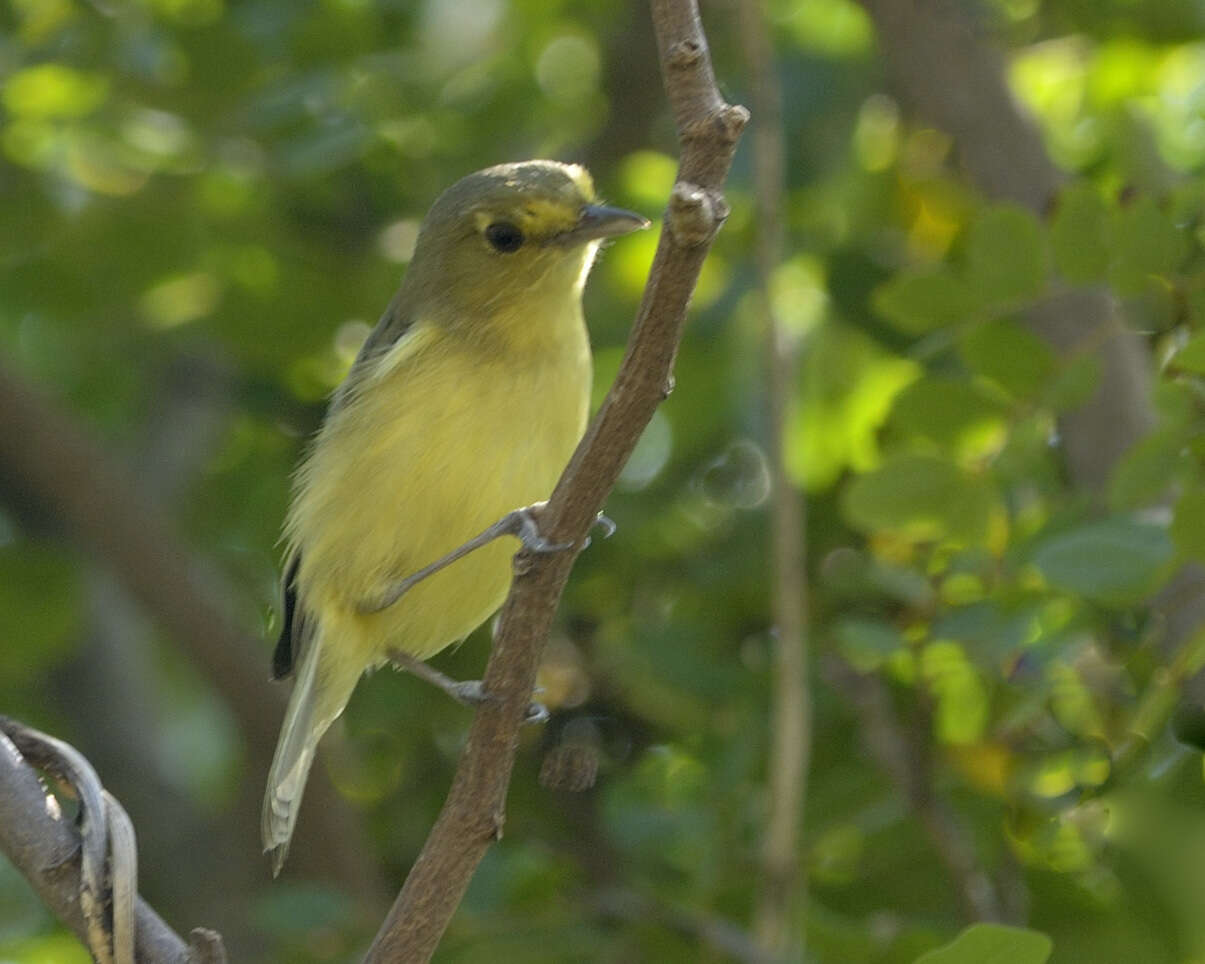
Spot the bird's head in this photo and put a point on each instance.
(512, 237)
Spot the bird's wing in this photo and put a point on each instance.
(292, 631)
(395, 323)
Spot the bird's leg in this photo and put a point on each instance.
(466, 692)
(521, 523)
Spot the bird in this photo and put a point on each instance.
(463, 405)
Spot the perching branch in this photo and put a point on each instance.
(782, 887)
(79, 873)
(473, 814)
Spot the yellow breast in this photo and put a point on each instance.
(444, 438)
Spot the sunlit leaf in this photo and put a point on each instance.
(798, 295)
(180, 299)
(48, 949)
(920, 498)
(962, 710)
(839, 28)
(846, 391)
(54, 90)
(646, 178)
(953, 413)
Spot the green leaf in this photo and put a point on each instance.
(921, 498)
(1006, 254)
(962, 702)
(918, 303)
(1015, 359)
(992, 944)
(1191, 358)
(1146, 243)
(1109, 560)
(867, 643)
(1188, 524)
(950, 411)
(1075, 384)
(989, 631)
(1079, 235)
(845, 393)
(1144, 473)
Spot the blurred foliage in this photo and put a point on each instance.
(245, 181)
(992, 942)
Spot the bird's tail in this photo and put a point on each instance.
(316, 702)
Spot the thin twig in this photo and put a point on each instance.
(902, 755)
(783, 887)
(473, 814)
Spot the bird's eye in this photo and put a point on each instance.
(504, 236)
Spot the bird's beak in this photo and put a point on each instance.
(598, 221)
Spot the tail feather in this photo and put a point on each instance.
(313, 706)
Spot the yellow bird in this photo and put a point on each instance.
(464, 404)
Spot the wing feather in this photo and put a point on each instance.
(288, 647)
(394, 324)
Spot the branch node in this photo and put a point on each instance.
(723, 125)
(667, 387)
(685, 54)
(205, 947)
(695, 214)
(730, 121)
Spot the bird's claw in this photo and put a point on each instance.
(604, 522)
(526, 527)
(471, 692)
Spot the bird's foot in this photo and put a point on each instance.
(466, 692)
(523, 524)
